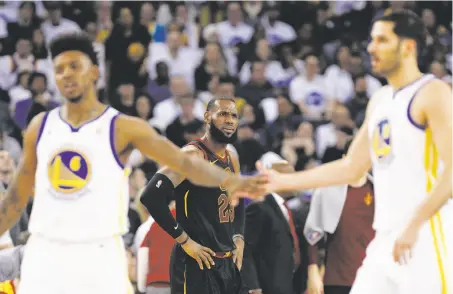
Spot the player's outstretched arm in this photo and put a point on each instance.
(143, 137)
(347, 170)
(21, 187)
(161, 188)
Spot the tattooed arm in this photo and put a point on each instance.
(21, 187)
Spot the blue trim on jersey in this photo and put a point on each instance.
(409, 116)
(41, 128)
(410, 84)
(112, 141)
(74, 129)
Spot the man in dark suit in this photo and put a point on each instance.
(272, 251)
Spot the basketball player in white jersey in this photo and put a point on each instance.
(406, 139)
(74, 164)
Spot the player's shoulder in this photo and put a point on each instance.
(192, 148)
(434, 88)
(35, 124)
(127, 125)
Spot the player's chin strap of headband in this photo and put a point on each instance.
(154, 198)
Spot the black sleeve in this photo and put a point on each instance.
(154, 198)
(239, 218)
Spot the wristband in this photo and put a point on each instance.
(185, 241)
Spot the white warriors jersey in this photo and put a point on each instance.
(81, 188)
(405, 160)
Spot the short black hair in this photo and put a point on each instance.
(35, 75)
(73, 42)
(226, 79)
(407, 24)
(212, 102)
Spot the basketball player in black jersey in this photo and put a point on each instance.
(208, 258)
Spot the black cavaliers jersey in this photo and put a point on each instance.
(205, 213)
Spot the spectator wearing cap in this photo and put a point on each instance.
(340, 220)
(272, 248)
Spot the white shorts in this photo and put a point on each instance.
(429, 271)
(54, 268)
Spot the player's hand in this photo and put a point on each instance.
(200, 253)
(315, 284)
(246, 186)
(402, 250)
(238, 252)
(275, 183)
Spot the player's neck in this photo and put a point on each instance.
(404, 75)
(217, 148)
(78, 113)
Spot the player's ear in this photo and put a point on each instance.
(409, 47)
(94, 73)
(207, 117)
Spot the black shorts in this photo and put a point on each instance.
(337, 289)
(187, 278)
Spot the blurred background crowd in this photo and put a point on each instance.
(299, 73)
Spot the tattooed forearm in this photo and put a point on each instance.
(15, 199)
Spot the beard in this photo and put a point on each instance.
(218, 136)
(75, 100)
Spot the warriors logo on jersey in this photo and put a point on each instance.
(69, 172)
(381, 144)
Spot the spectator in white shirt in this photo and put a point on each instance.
(277, 32)
(234, 31)
(341, 76)
(326, 135)
(275, 74)
(180, 60)
(56, 24)
(337, 73)
(21, 60)
(310, 91)
(20, 91)
(167, 111)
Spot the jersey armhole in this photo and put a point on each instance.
(112, 141)
(409, 107)
(41, 128)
